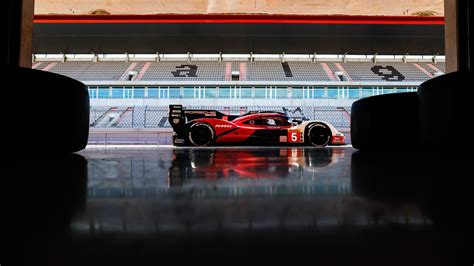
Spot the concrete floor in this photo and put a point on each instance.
(334, 206)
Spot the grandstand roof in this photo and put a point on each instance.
(238, 34)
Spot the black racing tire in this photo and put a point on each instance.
(385, 122)
(201, 134)
(444, 104)
(318, 134)
(67, 132)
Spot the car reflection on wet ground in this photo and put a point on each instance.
(329, 205)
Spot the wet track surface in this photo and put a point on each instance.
(334, 206)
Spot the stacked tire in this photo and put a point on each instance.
(424, 120)
(49, 113)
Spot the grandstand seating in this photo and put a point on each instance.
(250, 71)
(39, 65)
(308, 71)
(157, 116)
(138, 117)
(97, 112)
(181, 71)
(154, 116)
(266, 71)
(384, 71)
(440, 66)
(85, 71)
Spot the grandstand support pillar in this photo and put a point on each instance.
(457, 31)
(451, 35)
(20, 31)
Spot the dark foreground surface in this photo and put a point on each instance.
(331, 206)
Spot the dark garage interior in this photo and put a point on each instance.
(408, 202)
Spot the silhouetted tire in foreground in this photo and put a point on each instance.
(50, 112)
(385, 122)
(445, 110)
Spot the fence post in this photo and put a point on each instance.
(144, 121)
(133, 117)
(341, 115)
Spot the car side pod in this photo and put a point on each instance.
(445, 111)
(385, 122)
(49, 112)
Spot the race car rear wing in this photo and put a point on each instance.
(178, 116)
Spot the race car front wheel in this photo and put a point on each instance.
(319, 134)
(201, 134)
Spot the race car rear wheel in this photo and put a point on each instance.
(319, 134)
(201, 134)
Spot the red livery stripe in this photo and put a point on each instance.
(237, 19)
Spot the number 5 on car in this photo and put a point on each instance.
(294, 136)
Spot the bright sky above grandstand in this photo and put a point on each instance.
(296, 7)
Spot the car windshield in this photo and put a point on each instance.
(277, 121)
(285, 121)
(269, 121)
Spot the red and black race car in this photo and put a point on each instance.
(210, 127)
